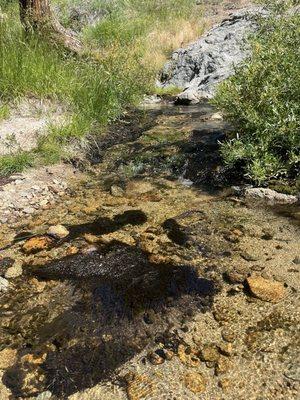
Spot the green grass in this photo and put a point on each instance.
(10, 164)
(263, 101)
(132, 40)
(168, 91)
(4, 112)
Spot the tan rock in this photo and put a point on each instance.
(155, 359)
(7, 358)
(72, 250)
(37, 285)
(223, 365)
(5, 393)
(188, 359)
(140, 387)
(229, 335)
(265, 289)
(36, 244)
(58, 231)
(89, 238)
(225, 384)
(226, 349)
(195, 382)
(209, 353)
(121, 237)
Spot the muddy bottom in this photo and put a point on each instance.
(161, 290)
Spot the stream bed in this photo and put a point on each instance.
(167, 286)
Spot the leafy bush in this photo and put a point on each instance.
(262, 100)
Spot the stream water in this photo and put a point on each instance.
(152, 270)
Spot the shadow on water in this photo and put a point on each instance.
(99, 226)
(128, 304)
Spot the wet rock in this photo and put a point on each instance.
(5, 263)
(5, 393)
(44, 396)
(225, 384)
(195, 382)
(140, 387)
(268, 234)
(149, 317)
(58, 231)
(14, 272)
(168, 354)
(209, 353)
(223, 365)
(37, 244)
(265, 289)
(7, 358)
(234, 277)
(293, 371)
(187, 357)
(249, 256)
(269, 196)
(72, 250)
(4, 285)
(226, 349)
(89, 238)
(90, 249)
(116, 191)
(38, 286)
(155, 358)
(232, 238)
(224, 314)
(229, 335)
(122, 237)
(217, 117)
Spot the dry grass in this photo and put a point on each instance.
(161, 42)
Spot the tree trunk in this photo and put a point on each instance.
(36, 16)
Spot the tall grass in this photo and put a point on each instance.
(132, 39)
(263, 101)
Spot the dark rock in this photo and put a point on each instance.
(155, 358)
(296, 260)
(5, 263)
(248, 257)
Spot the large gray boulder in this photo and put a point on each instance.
(198, 68)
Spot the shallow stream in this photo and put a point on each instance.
(153, 269)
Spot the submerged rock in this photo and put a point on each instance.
(4, 284)
(265, 289)
(58, 231)
(36, 244)
(195, 382)
(14, 272)
(202, 65)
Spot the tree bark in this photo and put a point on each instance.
(36, 16)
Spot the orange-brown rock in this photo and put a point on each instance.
(36, 244)
(140, 387)
(187, 358)
(195, 382)
(265, 289)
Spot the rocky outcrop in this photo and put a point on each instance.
(202, 65)
(269, 196)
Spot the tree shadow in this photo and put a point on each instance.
(127, 305)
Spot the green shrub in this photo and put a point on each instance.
(262, 100)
